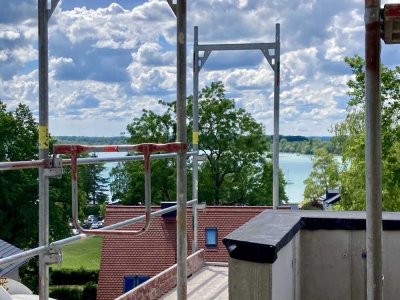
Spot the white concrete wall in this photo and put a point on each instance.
(317, 264)
(283, 272)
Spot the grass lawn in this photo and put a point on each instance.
(83, 254)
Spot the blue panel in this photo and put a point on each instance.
(142, 279)
(129, 283)
(211, 237)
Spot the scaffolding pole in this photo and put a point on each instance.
(195, 141)
(181, 158)
(43, 147)
(275, 152)
(373, 171)
(273, 60)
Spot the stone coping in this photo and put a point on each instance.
(260, 239)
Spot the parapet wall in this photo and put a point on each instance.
(164, 282)
(309, 255)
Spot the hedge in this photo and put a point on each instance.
(76, 293)
(66, 293)
(73, 276)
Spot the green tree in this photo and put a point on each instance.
(323, 176)
(94, 184)
(232, 141)
(350, 135)
(236, 150)
(150, 127)
(19, 188)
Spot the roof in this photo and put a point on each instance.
(155, 250)
(6, 250)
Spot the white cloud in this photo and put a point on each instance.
(8, 33)
(108, 63)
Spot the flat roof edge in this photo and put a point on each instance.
(260, 239)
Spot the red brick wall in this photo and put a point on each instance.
(164, 281)
(155, 250)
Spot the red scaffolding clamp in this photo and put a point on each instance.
(146, 149)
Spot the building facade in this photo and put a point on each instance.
(127, 261)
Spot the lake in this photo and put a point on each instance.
(295, 167)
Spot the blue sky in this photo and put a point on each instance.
(111, 59)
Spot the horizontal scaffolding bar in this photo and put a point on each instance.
(250, 46)
(59, 244)
(23, 255)
(19, 165)
(141, 148)
(32, 164)
(96, 160)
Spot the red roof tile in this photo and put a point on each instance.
(155, 250)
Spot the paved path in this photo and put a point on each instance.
(211, 282)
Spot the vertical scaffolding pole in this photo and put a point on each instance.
(195, 171)
(275, 181)
(181, 158)
(373, 170)
(43, 147)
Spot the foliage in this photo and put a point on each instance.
(73, 276)
(29, 274)
(236, 151)
(236, 170)
(89, 292)
(92, 210)
(323, 176)
(19, 188)
(93, 183)
(350, 135)
(66, 293)
(128, 178)
(312, 204)
(308, 146)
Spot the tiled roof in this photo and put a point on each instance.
(6, 250)
(155, 250)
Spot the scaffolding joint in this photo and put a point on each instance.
(53, 258)
(53, 167)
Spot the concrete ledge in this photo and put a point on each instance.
(165, 281)
(260, 239)
(309, 255)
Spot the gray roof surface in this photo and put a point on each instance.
(6, 250)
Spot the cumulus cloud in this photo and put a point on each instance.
(108, 63)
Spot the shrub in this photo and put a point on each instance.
(66, 293)
(89, 291)
(92, 209)
(73, 277)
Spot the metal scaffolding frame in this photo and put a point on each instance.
(373, 146)
(50, 252)
(273, 60)
(52, 167)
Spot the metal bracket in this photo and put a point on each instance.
(50, 10)
(53, 258)
(269, 57)
(54, 168)
(173, 6)
(372, 14)
(203, 59)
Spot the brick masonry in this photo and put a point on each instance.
(155, 251)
